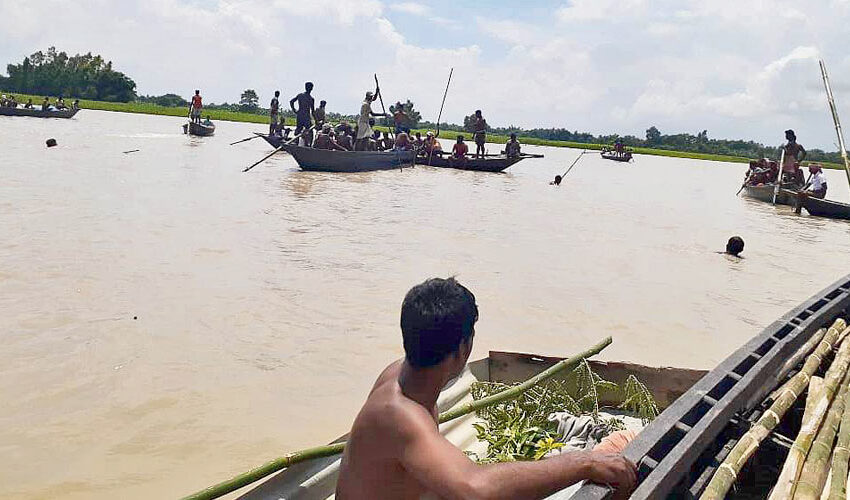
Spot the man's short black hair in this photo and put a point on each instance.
(437, 316)
(735, 245)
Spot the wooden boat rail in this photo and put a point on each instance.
(666, 450)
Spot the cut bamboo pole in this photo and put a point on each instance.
(813, 475)
(290, 459)
(784, 399)
(841, 456)
(812, 419)
(804, 351)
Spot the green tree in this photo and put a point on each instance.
(55, 73)
(653, 135)
(249, 100)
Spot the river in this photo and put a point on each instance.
(169, 321)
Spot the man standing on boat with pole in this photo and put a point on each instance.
(364, 128)
(196, 107)
(794, 154)
(395, 449)
(306, 109)
(274, 113)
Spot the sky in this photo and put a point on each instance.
(739, 69)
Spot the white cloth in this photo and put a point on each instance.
(363, 127)
(818, 181)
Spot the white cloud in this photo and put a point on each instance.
(417, 9)
(589, 10)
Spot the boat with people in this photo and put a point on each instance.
(614, 156)
(199, 129)
(683, 452)
(327, 160)
(487, 163)
(38, 113)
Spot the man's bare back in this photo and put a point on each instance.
(373, 450)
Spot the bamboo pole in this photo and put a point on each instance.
(813, 475)
(290, 459)
(812, 419)
(806, 349)
(728, 471)
(841, 456)
(835, 120)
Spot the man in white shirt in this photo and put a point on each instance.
(364, 129)
(817, 184)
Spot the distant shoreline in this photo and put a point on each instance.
(237, 116)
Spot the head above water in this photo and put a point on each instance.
(557, 180)
(308, 86)
(790, 136)
(438, 322)
(735, 245)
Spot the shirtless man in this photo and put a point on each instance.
(480, 127)
(274, 113)
(319, 115)
(794, 154)
(306, 109)
(325, 141)
(395, 450)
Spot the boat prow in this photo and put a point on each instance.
(38, 113)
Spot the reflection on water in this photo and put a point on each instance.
(267, 302)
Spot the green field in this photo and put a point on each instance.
(234, 116)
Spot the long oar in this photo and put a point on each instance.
(278, 149)
(285, 461)
(440, 114)
(746, 180)
(583, 152)
(779, 177)
(243, 140)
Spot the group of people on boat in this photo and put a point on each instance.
(362, 136)
(765, 171)
(59, 105)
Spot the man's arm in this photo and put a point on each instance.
(439, 466)
(802, 153)
(292, 104)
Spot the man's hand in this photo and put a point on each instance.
(614, 470)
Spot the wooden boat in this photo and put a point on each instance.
(679, 452)
(199, 129)
(826, 208)
(612, 155)
(495, 163)
(787, 193)
(317, 479)
(37, 112)
(325, 160)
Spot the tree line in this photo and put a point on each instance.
(57, 74)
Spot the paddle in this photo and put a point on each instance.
(583, 152)
(746, 180)
(279, 148)
(440, 114)
(779, 177)
(243, 140)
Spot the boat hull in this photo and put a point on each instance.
(680, 450)
(765, 193)
(487, 164)
(198, 129)
(627, 157)
(827, 208)
(37, 113)
(325, 160)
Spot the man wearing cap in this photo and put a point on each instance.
(306, 108)
(817, 183)
(364, 128)
(794, 154)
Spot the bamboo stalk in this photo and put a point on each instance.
(841, 455)
(813, 475)
(784, 399)
(806, 349)
(289, 459)
(812, 419)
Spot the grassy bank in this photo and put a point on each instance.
(235, 116)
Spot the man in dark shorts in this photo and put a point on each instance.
(395, 449)
(274, 113)
(306, 109)
(794, 154)
(480, 128)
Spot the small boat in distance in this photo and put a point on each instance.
(38, 113)
(326, 160)
(199, 129)
(615, 156)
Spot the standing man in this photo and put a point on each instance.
(196, 107)
(306, 108)
(364, 128)
(400, 118)
(319, 115)
(794, 154)
(395, 450)
(274, 113)
(480, 128)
